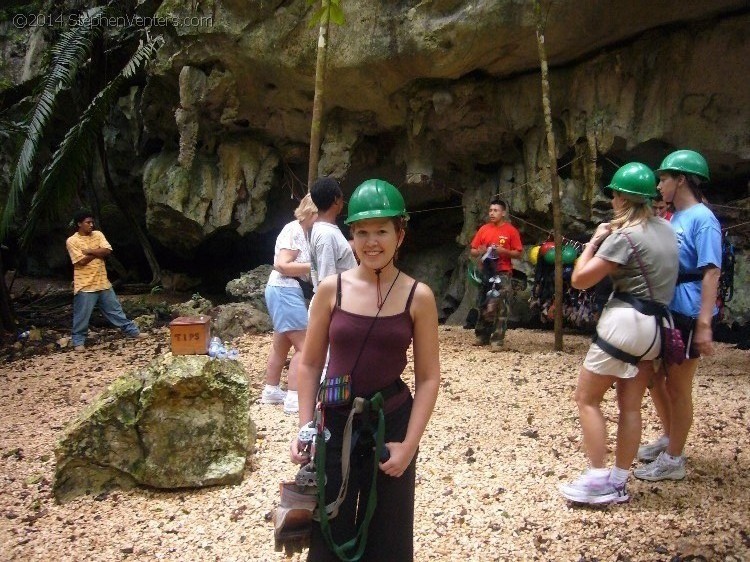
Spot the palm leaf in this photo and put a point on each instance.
(69, 54)
(10, 129)
(336, 14)
(69, 162)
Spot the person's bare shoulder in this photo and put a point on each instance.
(423, 295)
(328, 284)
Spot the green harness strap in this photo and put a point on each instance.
(359, 541)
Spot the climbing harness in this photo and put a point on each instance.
(659, 311)
(726, 280)
(648, 307)
(326, 512)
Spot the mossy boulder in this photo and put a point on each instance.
(183, 421)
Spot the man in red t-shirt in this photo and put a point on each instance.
(493, 246)
(661, 208)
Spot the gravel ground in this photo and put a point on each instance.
(503, 436)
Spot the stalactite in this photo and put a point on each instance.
(187, 125)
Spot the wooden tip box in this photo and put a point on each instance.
(190, 335)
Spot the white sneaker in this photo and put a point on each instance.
(272, 395)
(593, 490)
(663, 468)
(291, 402)
(650, 451)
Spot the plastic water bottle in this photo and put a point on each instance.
(222, 352)
(214, 346)
(233, 354)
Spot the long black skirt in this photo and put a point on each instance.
(390, 537)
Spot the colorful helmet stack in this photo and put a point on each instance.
(569, 254)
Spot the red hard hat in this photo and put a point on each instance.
(546, 247)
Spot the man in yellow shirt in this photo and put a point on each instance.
(88, 249)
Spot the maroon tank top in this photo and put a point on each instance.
(383, 357)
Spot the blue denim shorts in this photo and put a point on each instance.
(287, 308)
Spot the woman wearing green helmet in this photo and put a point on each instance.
(693, 308)
(639, 253)
(370, 315)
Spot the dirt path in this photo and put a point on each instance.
(503, 437)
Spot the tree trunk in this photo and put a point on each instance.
(552, 164)
(8, 321)
(123, 205)
(317, 114)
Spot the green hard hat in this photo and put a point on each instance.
(375, 199)
(687, 162)
(634, 178)
(569, 254)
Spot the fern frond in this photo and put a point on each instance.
(59, 178)
(10, 129)
(69, 54)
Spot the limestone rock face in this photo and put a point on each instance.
(443, 97)
(737, 309)
(237, 318)
(181, 422)
(251, 285)
(442, 73)
(224, 190)
(196, 306)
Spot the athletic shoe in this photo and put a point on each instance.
(80, 348)
(650, 451)
(622, 493)
(291, 403)
(663, 468)
(274, 395)
(497, 345)
(594, 490)
(497, 340)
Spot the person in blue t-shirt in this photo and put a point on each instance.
(693, 307)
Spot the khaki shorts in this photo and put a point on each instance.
(628, 330)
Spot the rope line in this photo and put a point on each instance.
(550, 233)
(727, 207)
(736, 226)
(436, 209)
(537, 177)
